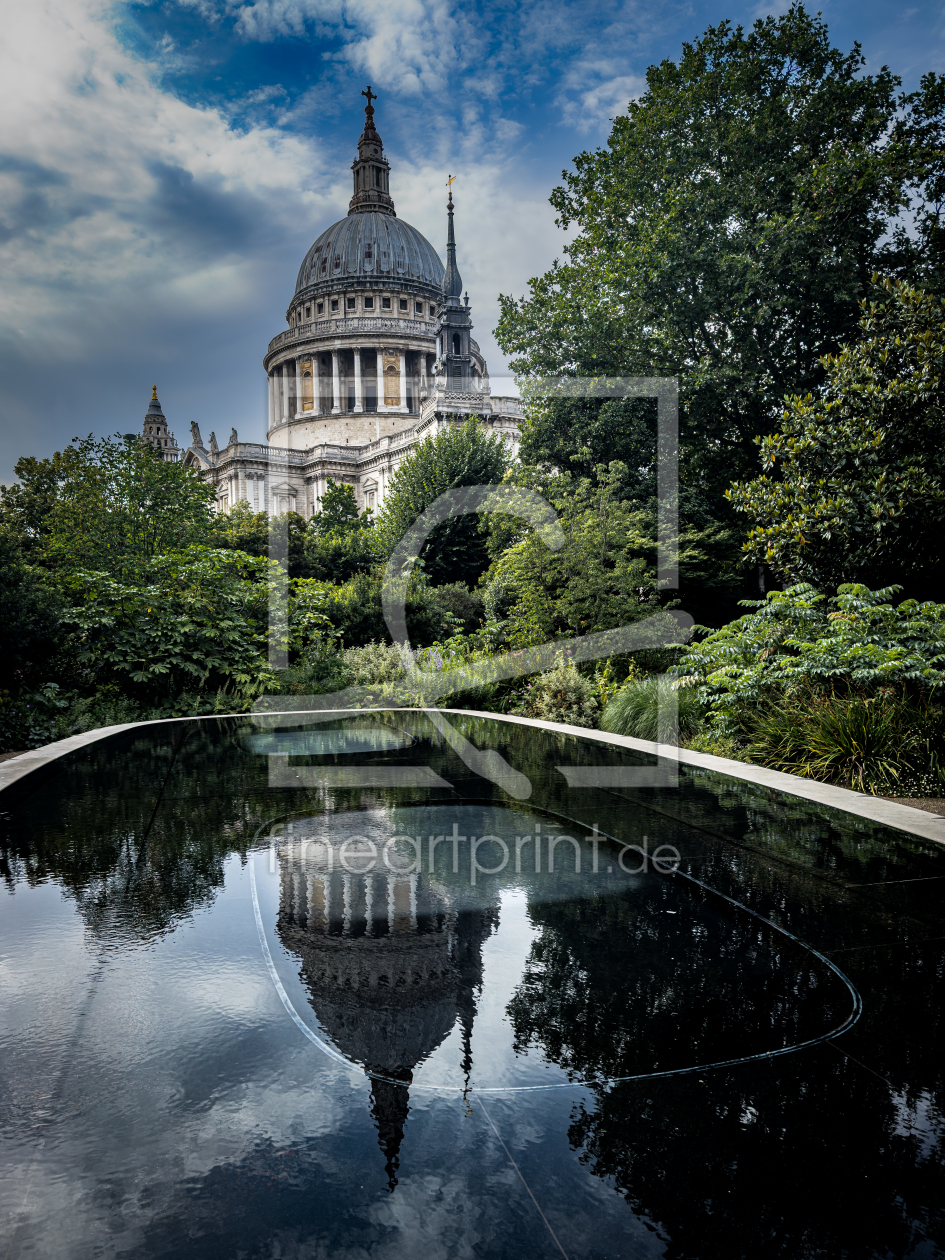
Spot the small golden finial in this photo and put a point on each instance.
(154, 393)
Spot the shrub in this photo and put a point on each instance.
(199, 625)
(373, 664)
(562, 695)
(855, 642)
(30, 614)
(465, 454)
(655, 709)
(32, 719)
(458, 602)
(868, 743)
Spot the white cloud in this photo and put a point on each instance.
(143, 238)
(593, 107)
(107, 183)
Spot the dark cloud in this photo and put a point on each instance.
(202, 215)
(34, 197)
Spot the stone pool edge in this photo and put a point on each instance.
(873, 808)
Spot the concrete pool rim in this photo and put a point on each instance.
(915, 822)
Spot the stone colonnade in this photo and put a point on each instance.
(318, 391)
(360, 903)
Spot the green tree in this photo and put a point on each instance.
(724, 237)
(30, 614)
(338, 513)
(464, 454)
(110, 504)
(198, 624)
(241, 529)
(604, 575)
(339, 543)
(853, 483)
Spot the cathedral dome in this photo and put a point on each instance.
(367, 246)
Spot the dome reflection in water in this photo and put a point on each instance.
(157, 1099)
(620, 968)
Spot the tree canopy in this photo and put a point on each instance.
(852, 487)
(724, 236)
(110, 504)
(465, 454)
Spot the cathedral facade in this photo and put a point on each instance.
(377, 354)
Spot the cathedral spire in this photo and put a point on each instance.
(155, 432)
(371, 169)
(452, 280)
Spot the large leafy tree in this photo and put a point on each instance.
(724, 237)
(465, 454)
(30, 614)
(853, 483)
(340, 542)
(605, 573)
(200, 622)
(109, 504)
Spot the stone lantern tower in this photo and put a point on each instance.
(155, 431)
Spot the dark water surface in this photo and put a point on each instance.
(374, 987)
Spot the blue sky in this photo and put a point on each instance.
(164, 167)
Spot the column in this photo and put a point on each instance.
(369, 904)
(316, 386)
(335, 383)
(380, 382)
(271, 382)
(298, 385)
(403, 381)
(285, 392)
(346, 902)
(358, 401)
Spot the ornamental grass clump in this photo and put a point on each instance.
(654, 708)
(886, 743)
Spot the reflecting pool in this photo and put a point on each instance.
(387, 985)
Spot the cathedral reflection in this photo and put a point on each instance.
(392, 962)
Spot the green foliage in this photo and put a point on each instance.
(853, 487)
(242, 529)
(199, 624)
(603, 576)
(111, 505)
(724, 236)
(31, 719)
(30, 611)
(372, 664)
(338, 512)
(356, 616)
(340, 543)
(563, 695)
(798, 640)
(333, 546)
(460, 606)
(877, 743)
(459, 455)
(655, 709)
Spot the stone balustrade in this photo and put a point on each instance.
(339, 325)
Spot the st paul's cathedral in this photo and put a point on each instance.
(378, 354)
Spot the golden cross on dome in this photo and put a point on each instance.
(154, 393)
(371, 96)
